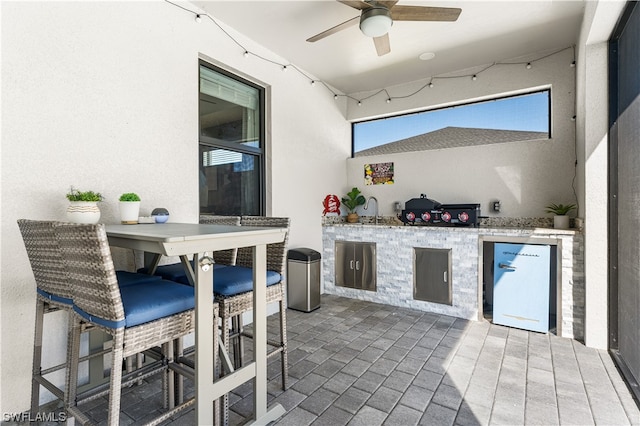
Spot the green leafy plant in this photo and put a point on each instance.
(560, 209)
(353, 199)
(76, 195)
(129, 196)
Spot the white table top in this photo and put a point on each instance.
(172, 239)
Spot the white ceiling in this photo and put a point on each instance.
(485, 32)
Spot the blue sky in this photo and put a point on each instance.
(526, 112)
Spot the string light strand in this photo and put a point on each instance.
(312, 81)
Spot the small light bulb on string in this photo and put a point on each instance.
(198, 18)
(284, 68)
(335, 97)
(246, 53)
(388, 100)
(430, 85)
(528, 65)
(313, 82)
(474, 77)
(573, 118)
(573, 64)
(359, 103)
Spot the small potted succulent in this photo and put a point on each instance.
(129, 208)
(561, 211)
(83, 206)
(351, 201)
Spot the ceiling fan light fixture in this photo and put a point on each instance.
(375, 21)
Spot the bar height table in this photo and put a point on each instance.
(184, 239)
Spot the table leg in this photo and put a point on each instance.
(204, 341)
(262, 416)
(260, 330)
(151, 262)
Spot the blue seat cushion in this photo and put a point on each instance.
(126, 278)
(147, 302)
(174, 272)
(232, 280)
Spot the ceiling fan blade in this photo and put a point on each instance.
(387, 4)
(333, 30)
(424, 13)
(382, 44)
(356, 4)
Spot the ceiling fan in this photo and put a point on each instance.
(376, 18)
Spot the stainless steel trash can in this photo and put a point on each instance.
(303, 279)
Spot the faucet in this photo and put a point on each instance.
(366, 207)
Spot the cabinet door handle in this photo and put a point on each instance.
(357, 265)
(444, 276)
(351, 264)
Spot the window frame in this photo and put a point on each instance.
(259, 152)
(458, 105)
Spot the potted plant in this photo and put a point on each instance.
(129, 208)
(560, 220)
(353, 199)
(83, 206)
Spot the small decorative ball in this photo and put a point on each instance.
(160, 214)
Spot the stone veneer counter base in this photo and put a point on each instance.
(395, 244)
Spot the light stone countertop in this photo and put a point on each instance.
(522, 226)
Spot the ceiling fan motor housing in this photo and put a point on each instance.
(375, 21)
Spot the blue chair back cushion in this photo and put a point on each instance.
(232, 280)
(147, 302)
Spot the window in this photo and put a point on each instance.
(508, 119)
(231, 155)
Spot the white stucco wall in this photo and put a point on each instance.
(104, 96)
(593, 138)
(524, 176)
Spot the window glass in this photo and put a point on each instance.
(231, 149)
(507, 119)
(229, 109)
(229, 182)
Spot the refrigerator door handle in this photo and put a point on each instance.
(505, 266)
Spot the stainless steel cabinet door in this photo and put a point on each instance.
(365, 274)
(432, 275)
(355, 265)
(345, 264)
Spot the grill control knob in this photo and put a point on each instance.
(463, 217)
(426, 216)
(446, 216)
(411, 216)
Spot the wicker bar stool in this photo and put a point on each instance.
(233, 292)
(138, 317)
(53, 293)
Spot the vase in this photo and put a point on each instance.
(561, 222)
(352, 218)
(83, 212)
(129, 211)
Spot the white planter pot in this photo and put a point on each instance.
(561, 222)
(83, 212)
(129, 212)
